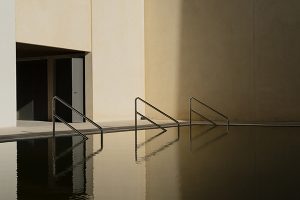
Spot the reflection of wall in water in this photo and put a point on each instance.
(116, 174)
(162, 180)
(8, 169)
(34, 167)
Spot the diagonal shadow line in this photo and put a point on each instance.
(210, 142)
(145, 158)
(150, 139)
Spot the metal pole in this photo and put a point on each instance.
(190, 121)
(135, 128)
(53, 139)
(227, 125)
(101, 139)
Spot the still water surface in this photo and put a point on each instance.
(206, 163)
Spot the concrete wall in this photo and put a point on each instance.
(64, 24)
(240, 57)
(112, 30)
(8, 64)
(118, 57)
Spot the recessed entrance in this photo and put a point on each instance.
(32, 96)
(43, 72)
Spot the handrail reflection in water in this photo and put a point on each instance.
(78, 163)
(70, 149)
(55, 116)
(155, 152)
(150, 139)
(201, 134)
(136, 113)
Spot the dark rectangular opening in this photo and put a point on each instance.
(32, 96)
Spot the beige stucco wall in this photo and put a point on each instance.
(8, 64)
(64, 24)
(117, 57)
(112, 30)
(240, 57)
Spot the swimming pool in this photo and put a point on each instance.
(206, 163)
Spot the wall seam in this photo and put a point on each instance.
(254, 114)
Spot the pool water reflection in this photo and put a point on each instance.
(204, 163)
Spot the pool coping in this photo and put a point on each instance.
(36, 129)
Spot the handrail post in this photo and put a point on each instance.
(53, 139)
(101, 139)
(53, 118)
(190, 121)
(227, 125)
(135, 127)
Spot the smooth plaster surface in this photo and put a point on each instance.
(64, 24)
(8, 64)
(117, 57)
(240, 57)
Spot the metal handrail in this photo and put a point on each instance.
(150, 120)
(155, 108)
(191, 110)
(54, 115)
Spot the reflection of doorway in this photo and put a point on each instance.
(35, 169)
(43, 72)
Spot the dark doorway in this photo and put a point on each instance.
(69, 86)
(32, 96)
(44, 72)
(63, 87)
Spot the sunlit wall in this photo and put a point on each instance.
(118, 58)
(8, 64)
(55, 23)
(113, 31)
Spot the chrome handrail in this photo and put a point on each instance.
(155, 108)
(55, 116)
(207, 106)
